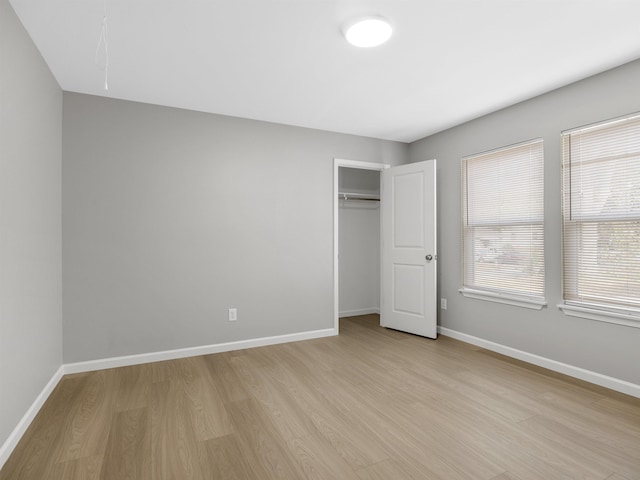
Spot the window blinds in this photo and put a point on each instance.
(503, 220)
(601, 214)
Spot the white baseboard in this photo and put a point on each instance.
(355, 313)
(124, 361)
(576, 372)
(14, 437)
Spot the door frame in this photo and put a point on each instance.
(337, 163)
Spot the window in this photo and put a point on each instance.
(601, 218)
(503, 225)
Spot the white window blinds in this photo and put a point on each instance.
(503, 221)
(601, 215)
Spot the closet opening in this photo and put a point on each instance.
(357, 234)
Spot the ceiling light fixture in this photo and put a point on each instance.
(368, 32)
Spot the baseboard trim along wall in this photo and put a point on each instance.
(113, 362)
(587, 375)
(25, 421)
(361, 311)
(79, 367)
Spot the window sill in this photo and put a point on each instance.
(503, 298)
(628, 318)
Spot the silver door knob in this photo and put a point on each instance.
(429, 258)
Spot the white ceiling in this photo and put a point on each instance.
(286, 61)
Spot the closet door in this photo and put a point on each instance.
(408, 297)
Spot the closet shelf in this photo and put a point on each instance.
(358, 196)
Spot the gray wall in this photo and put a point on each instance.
(601, 347)
(30, 277)
(172, 216)
(359, 242)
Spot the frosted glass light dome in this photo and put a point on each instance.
(368, 32)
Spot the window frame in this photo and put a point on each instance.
(499, 295)
(591, 310)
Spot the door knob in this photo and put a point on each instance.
(429, 258)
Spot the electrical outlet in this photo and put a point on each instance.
(233, 314)
(443, 303)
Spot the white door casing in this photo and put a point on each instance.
(409, 261)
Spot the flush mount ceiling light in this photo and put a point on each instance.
(368, 32)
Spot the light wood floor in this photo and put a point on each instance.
(369, 404)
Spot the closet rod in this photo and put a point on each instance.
(358, 196)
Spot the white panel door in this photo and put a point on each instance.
(408, 202)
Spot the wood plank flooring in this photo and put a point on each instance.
(369, 404)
